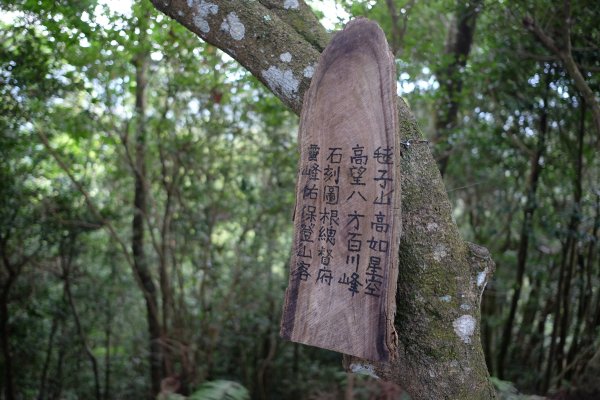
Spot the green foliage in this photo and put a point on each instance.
(220, 156)
(507, 391)
(220, 390)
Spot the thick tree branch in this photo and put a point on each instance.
(302, 20)
(267, 40)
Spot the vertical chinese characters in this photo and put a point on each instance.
(343, 227)
(308, 215)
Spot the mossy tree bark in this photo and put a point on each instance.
(441, 277)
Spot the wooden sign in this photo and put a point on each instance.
(342, 284)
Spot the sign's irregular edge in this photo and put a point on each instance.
(366, 30)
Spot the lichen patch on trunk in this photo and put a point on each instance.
(290, 4)
(481, 277)
(309, 71)
(285, 57)
(233, 26)
(363, 369)
(440, 251)
(281, 81)
(464, 327)
(202, 10)
(432, 226)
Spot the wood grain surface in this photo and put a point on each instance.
(343, 270)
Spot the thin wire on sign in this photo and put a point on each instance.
(410, 142)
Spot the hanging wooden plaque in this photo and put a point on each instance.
(343, 271)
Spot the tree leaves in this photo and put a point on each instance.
(220, 390)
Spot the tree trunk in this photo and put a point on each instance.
(570, 256)
(170, 181)
(450, 77)
(398, 29)
(12, 269)
(56, 392)
(441, 277)
(526, 229)
(9, 388)
(45, 368)
(592, 320)
(66, 264)
(107, 343)
(588, 386)
(137, 226)
(574, 250)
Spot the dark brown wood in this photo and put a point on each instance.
(343, 271)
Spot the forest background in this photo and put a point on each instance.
(147, 185)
